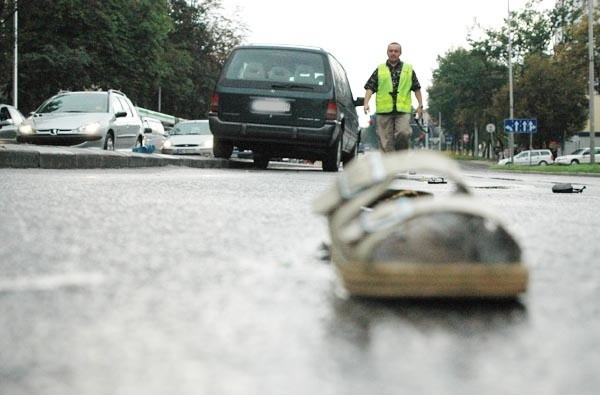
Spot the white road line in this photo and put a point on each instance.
(50, 282)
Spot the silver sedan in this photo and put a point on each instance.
(189, 138)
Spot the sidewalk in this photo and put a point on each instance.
(50, 157)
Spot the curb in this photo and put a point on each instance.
(25, 156)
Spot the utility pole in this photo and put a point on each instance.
(16, 67)
(159, 98)
(440, 134)
(591, 79)
(511, 138)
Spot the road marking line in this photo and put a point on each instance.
(50, 282)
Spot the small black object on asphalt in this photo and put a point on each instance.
(437, 180)
(566, 188)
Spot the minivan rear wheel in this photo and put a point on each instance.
(353, 154)
(332, 159)
(260, 160)
(222, 149)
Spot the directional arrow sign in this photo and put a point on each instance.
(520, 125)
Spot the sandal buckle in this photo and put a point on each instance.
(376, 170)
(403, 209)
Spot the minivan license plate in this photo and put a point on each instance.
(270, 106)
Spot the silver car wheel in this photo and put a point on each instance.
(109, 142)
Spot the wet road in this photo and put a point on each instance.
(207, 281)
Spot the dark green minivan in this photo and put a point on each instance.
(285, 102)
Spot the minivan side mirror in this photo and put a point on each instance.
(359, 101)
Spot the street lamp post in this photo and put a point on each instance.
(591, 79)
(15, 71)
(510, 85)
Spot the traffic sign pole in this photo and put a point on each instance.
(490, 128)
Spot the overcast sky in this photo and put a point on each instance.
(357, 33)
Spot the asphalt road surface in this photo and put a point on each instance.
(212, 281)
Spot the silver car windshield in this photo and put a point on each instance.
(75, 102)
(191, 128)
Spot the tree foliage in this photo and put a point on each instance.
(471, 87)
(141, 47)
(464, 85)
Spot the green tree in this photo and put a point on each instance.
(7, 9)
(547, 69)
(550, 91)
(463, 88)
(531, 33)
(137, 46)
(199, 44)
(573, 48)
(89, 44)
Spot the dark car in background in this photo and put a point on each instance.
(285, 102)
(10, 119)
(96, 119)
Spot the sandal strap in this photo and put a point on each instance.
(379, 170)
(386, 216)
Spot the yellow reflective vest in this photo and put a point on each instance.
(384, 100)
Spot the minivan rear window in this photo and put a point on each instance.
(278, 66)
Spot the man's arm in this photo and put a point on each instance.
(420, 100)
(368, 94)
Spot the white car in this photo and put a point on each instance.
(154, 133)
(581, 155)
(189, 138)
(10, 119)
(536, 157)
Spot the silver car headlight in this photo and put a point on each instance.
(26, 128)
(89, 128)
(167, 144)
(208, 144)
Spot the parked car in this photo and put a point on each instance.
(244, 154)
(581, 155)
(537, 157)
(189, 138)
(154, 133)
(10, 119)
(285, 102)
(97, 119)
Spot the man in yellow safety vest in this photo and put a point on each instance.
(392, 83)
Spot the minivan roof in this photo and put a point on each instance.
(282, 46)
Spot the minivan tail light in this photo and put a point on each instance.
(331, 114)
(214, 102)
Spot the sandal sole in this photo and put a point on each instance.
(434, 280)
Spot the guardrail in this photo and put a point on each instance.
(166, 119)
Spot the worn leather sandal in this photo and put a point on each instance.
(417, 244)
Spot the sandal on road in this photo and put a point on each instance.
(417, 244)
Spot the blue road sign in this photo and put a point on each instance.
(520, 125)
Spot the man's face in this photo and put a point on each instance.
(394, 53)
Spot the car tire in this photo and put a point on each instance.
(574, 162)
(351, 155)
(261, 161)
(222, 149)
(331, 162)
(109, 142)
(542, 163)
